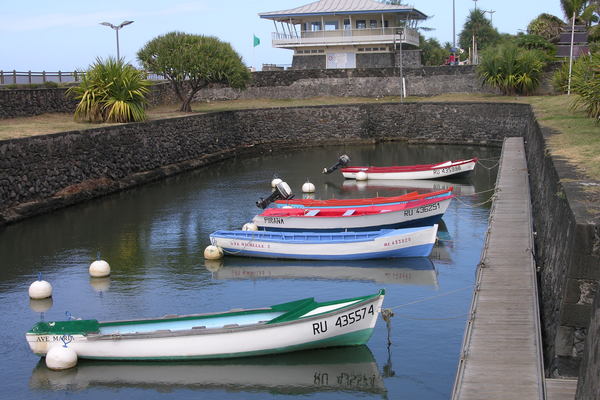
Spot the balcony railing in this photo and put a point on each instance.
(346, 37)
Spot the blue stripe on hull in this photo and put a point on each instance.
(423, 250)
(428, 221)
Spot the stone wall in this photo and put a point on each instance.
(373, 82)
(588, 386)
(567, 226)
(27, 102)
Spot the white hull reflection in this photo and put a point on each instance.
(418, 271)
(459, 187)
(337, 369)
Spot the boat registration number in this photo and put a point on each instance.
(344, 319)
(422, 209)
(449, 170)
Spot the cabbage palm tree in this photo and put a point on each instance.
(111, 91)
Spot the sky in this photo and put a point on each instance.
(66, 35)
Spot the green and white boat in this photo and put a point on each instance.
(297, 325)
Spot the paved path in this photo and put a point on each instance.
(501, 355)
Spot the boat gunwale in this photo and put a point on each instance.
(303, 305)
(234, 329)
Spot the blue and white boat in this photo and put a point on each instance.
(355, 245)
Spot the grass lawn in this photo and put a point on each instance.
(578, 141)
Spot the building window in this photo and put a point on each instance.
(361, 24)
(315, 26)
(331, 25)
(386, 24)
(373, 23)
(347, 25)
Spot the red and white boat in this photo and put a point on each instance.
(372, 201)
(424, 212)
(422, 171)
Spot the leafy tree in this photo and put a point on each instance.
(547, 26)
(511, 69)
(432, 53)
(111, 91)
(192, 62)
(485, 34)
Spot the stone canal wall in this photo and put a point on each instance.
(567, 226)
(43, 173)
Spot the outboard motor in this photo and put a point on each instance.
(342, 162)
(282, 191)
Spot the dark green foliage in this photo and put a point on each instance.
(432, 53)
(511, 69)
(192, 62)
(585, 83)
(485, 34)
(534, 42)
(111, 91)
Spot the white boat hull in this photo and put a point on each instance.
(411, 242)
(311, 331)
(440, 171)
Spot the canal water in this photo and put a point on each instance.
(154, 236)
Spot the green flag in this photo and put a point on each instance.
(256, 41)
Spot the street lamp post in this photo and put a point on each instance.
(491, 12)
(116, 28)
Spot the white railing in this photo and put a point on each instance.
(346, 36)
(31, 77)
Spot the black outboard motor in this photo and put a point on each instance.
(342, 162)
(282, 191)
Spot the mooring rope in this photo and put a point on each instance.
(490, 167)
(429, 298)
(492, 197)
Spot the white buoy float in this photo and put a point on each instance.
(249, 226)
(61, 357)
(275, 182)
(40, 289)
(213, 252)
(308, 187)
(99, 269)
(361, 176)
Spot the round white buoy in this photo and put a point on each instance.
(40, 290)
(99, 269)
(60, 357)
(361, 176)
(275, 182)
(40, 305)
(100, 284)
(308, 187)
(213, 265)
(250, 226)
(213, 252)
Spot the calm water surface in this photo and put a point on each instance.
(154, 237)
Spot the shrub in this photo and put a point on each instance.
(511, 69)
(111, 91)
(585, 83)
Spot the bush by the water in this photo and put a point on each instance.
(512, 69)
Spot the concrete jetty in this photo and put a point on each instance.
(501, 357)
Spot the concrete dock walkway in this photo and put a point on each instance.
(501, 356)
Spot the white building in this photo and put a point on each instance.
(348, 34)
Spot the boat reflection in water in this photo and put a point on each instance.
(407, 271)
(461, 187)
(334, 369)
